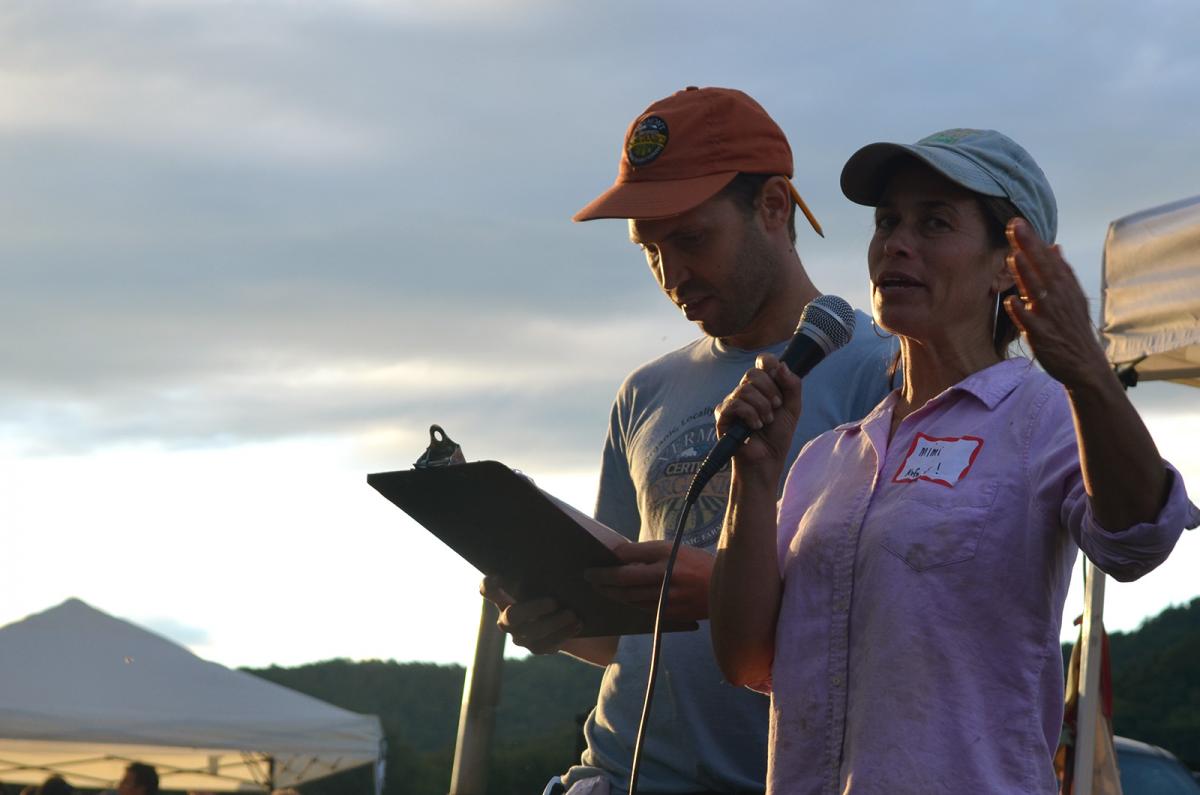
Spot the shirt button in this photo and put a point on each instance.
(837, 681)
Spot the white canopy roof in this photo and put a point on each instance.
(82, 694)
(1151, 280)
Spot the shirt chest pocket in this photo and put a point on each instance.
(933, 526)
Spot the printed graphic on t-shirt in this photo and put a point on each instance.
(675, 462)
(941, 460)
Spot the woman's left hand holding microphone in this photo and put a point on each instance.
(768, 402)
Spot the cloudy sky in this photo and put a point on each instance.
(251, 250)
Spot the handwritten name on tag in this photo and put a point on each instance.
(944, 461)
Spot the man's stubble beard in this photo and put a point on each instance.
(754, 277)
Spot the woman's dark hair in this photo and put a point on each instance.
(144, 776)
(55, 785)
(744, 191)
(996, 212)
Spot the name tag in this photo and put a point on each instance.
(944, 461)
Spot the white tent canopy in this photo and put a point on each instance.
(1150, 327)
(1151, 288)
(82, 694)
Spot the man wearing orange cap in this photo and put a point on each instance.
(705, 183)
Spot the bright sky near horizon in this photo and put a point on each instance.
(252, 250)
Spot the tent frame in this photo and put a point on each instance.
(251, 762)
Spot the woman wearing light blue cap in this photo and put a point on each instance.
(903, 607)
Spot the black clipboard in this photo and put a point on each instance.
(503, 525)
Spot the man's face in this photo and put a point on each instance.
(713, 262)
(129, 787)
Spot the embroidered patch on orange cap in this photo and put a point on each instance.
(647, 141)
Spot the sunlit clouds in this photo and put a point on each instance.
(251, 251)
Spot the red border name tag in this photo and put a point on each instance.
(940, 460)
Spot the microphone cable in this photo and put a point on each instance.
(827, 328)
(703, 475)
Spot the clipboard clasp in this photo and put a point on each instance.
(442, 451)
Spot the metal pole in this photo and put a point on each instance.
(477, 718)
(378, 769)
(1088, 715)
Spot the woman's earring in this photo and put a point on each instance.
(996, 317)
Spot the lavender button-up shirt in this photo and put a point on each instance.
(917, 649)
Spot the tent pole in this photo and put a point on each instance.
(477, 718)
(377, 769)
(1088, 715)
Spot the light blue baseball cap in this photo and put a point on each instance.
(983, 161)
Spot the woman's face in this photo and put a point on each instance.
(934, 274)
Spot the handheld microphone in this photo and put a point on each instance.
(826, 324)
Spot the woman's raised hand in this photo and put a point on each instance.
(1052, 310)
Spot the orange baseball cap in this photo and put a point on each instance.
(682, 150)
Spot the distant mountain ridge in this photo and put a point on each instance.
(1156, 680)
(537, 729)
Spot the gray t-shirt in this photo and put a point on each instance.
(703, 734)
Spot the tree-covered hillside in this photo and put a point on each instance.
(1156, 684)
(1156, 680)
(537, 727)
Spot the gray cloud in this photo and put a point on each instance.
(177, 631)
(255, 221)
